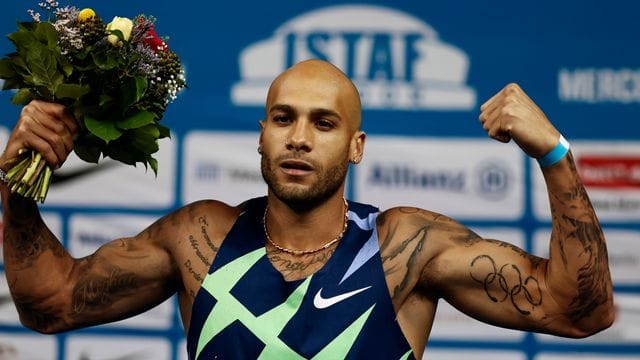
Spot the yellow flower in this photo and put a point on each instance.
(123, 24)
(86, 14)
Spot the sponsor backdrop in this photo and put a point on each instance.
(424, 68)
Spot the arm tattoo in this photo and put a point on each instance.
(195, 243)
(26, 235)
(414, 244)
(94, 293)
(196, 275)
(196, 248)
(203, 230)
(535, 261)
(576, 223)
(506, 283)
(593, 275)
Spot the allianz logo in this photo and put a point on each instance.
(490, 180)
(406, 176)
(396, 59)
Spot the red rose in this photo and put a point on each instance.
(152, 40)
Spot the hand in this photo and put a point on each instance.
(511, 114)
(47, 128)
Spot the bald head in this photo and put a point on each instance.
(333, 81)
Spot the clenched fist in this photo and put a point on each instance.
(47, 128)
(511, 114)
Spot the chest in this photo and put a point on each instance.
(246, 303)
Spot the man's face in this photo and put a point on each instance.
(305, 139)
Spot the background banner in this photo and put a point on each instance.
(423, 69)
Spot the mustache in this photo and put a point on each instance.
(296, 156)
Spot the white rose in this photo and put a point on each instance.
(123, 24)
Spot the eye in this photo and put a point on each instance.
(324, 124)
(281, 119)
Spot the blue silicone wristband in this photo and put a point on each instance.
(556, 154)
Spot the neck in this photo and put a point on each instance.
(305, 230)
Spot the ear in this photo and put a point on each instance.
(356, 148)
(261, 123)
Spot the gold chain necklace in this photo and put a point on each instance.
(304, 252)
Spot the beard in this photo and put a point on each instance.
(327, 184)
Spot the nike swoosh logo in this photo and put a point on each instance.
(323, 303)
(67, 176)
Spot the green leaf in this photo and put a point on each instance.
(121, 151)
(105, 130)
(165, 132)
(71, 91)
(141, 87)
(23, 40)
(43, 92)
(138, 120)
(87, 152)
(133, 90)
(43, 65)
(154, 164)
(66, 66)
(47, 34)
(145, 139)
(26, 25)
(106, 60)
(18, 63)
(23, 97)
(6, 69)
(12, 84)
(117, 33)
(105, 99)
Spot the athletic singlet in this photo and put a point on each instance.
(246, 310)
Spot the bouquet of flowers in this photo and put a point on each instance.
(117, 79)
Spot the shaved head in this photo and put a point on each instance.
(332, 77)
(310, 134)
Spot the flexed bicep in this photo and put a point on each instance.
(498, 283)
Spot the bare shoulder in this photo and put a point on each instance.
(215, 215)
(193, 236)
(441, 230)
(412, 241)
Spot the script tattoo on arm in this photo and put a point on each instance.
(94, 292)
(507, 283)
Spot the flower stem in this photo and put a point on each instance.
(30, 176)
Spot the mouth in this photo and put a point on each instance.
(296, 167)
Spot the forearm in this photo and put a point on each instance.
(578, 271)
(35, 262)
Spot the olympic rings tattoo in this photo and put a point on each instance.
(498, 288)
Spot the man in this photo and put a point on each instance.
(303, 273)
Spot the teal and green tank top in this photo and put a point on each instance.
(246, 310)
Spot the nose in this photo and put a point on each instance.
(300, 136)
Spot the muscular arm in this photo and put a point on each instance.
(54, 292)
(568, 294)
(577, 272)
(51, 290)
